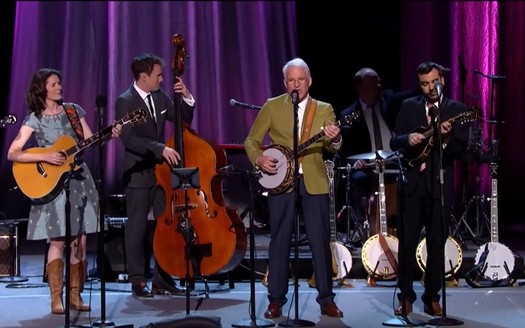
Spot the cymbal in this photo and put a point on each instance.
(372, 155)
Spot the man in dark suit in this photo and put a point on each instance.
(420, 196)
(145, 147)
(360, 138)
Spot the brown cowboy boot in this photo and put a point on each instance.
(55, 280)
(83, 274)
(75, 299)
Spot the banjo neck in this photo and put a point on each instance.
(494, 234)
(329, 165)
(380, 167)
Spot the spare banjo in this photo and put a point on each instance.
(453, 256)
(495, 260)
(341, 256)
(379, 253)
(282, 180)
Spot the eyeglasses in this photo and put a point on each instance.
(300, 80)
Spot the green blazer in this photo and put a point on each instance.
(275, 119)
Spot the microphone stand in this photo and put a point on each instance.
(443, 320)
(102, 322)
(253, 321)
(67, 242)
(296, 322)
(402, 320)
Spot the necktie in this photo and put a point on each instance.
(377, 130)
(430, 112)
(150, 105)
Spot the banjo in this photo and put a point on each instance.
(282, 180)
(379, 252)
(341, 256)
(453, 256)
(495, 260)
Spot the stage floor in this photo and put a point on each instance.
(27, 304)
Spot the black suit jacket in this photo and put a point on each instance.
(144, 143)
(356, 137)
(412, 115)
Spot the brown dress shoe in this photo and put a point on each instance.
(433, 308)
(141, 290)
(331, 310)
(403, 311)
(274, 311)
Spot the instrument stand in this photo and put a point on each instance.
(187, 178)
(253, 321)
(362, 230)
(296, 322)
(14, 269)
(481, 219)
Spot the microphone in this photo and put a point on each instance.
(490, 76)
(101, 101)
(295, 97)
(439, 87)
(234, 103)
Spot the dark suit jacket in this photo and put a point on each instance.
(144, 143)
(356, 136)
(412, 115)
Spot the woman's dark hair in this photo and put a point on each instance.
(36, 93)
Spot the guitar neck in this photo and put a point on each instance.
(86, 143)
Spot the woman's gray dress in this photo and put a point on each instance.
(48, 220)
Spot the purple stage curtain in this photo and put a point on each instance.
(234, 50)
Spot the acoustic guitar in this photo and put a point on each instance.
(42, 181)
(379, 252)
(419, 153)
(282, 180)
(341, 256)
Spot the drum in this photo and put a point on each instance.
(390, 204)
(453, 256)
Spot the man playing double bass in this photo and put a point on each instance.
(144, 148)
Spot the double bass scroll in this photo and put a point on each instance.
(219, 237)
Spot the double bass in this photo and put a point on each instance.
(217, 237)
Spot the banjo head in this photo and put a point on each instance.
(453, 256)
(283, 179)
(374, 258)
(499, 261)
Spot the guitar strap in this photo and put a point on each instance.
(72, 115)
(307, 122)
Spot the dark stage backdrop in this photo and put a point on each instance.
(237, 49)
